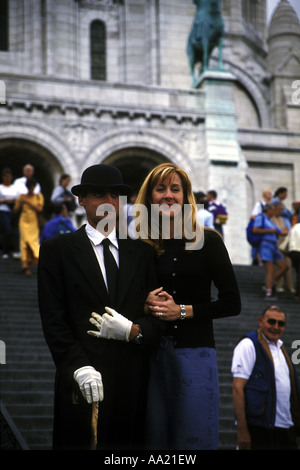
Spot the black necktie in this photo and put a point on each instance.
(111, 271)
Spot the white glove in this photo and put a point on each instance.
(90, 383)
(111, 325)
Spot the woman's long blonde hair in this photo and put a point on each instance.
(155, 177)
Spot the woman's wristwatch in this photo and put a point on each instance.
(139, 338)
(182, 312)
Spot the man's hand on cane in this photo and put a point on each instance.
(90, 383)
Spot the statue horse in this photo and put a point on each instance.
(206, 33)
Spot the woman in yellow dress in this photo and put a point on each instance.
(29, 205)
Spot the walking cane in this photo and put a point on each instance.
(94, 424)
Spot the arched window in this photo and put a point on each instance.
(98, 50)
(4, 25)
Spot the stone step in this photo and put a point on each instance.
(32, 397)
(27, 378)
(228, 440)
(39, 371)
(31, 422)
(26, 385)
(33, 409)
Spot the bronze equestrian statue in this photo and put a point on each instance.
(206, 33)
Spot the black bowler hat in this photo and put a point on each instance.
(99, 177)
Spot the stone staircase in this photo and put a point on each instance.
(27, 377)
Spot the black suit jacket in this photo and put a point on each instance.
(70, 288)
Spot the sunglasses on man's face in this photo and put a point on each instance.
(272, 322)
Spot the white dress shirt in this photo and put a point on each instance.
(21, 188)
(205, 218)
(96, 239)
(7, 192)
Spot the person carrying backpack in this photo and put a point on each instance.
(59, 224)
(218, 210)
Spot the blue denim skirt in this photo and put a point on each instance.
(183, 398)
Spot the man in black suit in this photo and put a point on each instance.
(71, 286)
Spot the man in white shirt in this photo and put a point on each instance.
(267, 196)
(20, 183)
(263, 387)
(8, 197)
(205, 217)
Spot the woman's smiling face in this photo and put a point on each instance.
(169, 192)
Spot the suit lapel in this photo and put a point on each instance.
(128, 256)
(86, 259)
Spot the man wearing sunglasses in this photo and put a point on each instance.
(265, 390)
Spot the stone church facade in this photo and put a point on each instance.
(89, 81)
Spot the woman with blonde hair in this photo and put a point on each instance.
(178, 223)
(183, 389)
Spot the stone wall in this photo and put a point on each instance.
(146, 111)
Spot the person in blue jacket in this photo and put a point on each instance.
(265, 387)
(59, 224)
